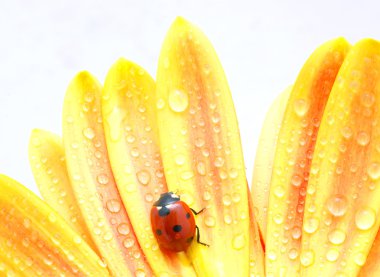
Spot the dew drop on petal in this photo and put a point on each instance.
(301, 107)
(180, 159)
(178, 101)
(367, 99)
(296, 180)
(374, 171)
(279, 191)
(360, 259)
(113, 205)
(123, 229)
(365, 218)
(272, 256)
(102, 179)
(160, 104)
(201, 168)
(89, 133)
(128, 243)
(307, 258)
(143, 177)
(332, 255)
(362, 138)
(311, 225)
(337, 205)
(337, 236)
(238, 242)
(293, 254)
(210, 221)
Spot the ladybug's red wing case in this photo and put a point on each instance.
(173, 226)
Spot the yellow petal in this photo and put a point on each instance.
(293, 156)
(266, 149)
(35, 240)
(201, 150)
(47, 160)
(93, 182)
(132, 142)
(343, 194)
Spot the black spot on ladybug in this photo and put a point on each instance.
(163, 211)
(159, 232)
(177, 228)
(190, 239)
(187, 215)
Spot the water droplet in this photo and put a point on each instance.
(128, 243)
(367, 99)
(332, 255)
(362, 138)
(238, 242)
(278, 219)
(296, 232)
(307, 258)
(199, 142)
(180, 159)
(113, 205)
(374, 171)
(123, 229)
(227, 200)
(337, 205)
(346, 132)
(228, 219)
(201, 168)
(272, 256)
(210, 221)
(108, 236)
(279, 191)
(135, 152)
(293, 254)
(234, 173)
(360, 259)
(296, 180)
(102, 179)
(187, 175)
(337, 237)
(149, 197)
(301, 107)
(219, 161)
(311, 225)
(365, 218)
(143, 177)
(178, 101)
(160, 104)
(140, 273)
(89, 133)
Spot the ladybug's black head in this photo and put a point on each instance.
(166, 199)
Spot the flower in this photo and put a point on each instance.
(312, 205)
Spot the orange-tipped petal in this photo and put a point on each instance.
(201, 150)
(342, 206)
(294, 151)
(93, 182)
(47, 160)
(266, 149)
(372, 265)
(35, 240)
(132, 142)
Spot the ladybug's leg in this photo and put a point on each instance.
(195, 212)
(199, 236)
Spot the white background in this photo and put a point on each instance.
(261, 44)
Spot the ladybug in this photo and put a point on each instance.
(173, 223)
